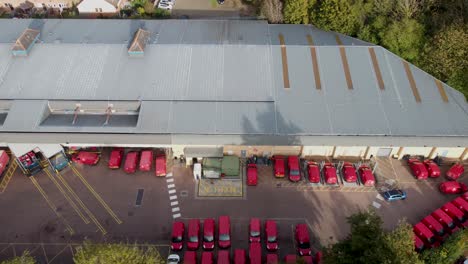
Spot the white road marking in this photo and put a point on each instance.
(169, 175)
(380, 197)
(170, 180)
(176, 216)
(171, 186)
(376, 205)
(175, 209)
(174, 203)
(172, 191)
(173, 197)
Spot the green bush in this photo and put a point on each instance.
(23, 259)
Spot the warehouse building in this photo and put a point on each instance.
(204, 88)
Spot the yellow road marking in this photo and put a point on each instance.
(96, 195)
(8, 175)
(67, 197)
(80, 202)
(51, 205)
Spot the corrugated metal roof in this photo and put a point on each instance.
(222, 78)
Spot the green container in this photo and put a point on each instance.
(230, 166)
(212, 163)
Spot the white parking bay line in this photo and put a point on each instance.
(170, 185)
(376, 205)
(380, 197)
(173, 197)
(175, 209)
(172, 191)
(169, 175)
(176, 216)
(170, 180)
(174, 203)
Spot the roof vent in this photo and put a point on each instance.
(25, 42)
(138, 44)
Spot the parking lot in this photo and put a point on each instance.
(107, 200)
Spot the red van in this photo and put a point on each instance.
(86, 158)
(255, 253)
(272, 258)
(461, 204)
(224, 232)
(290, 259)
(329, 172)
(303, 240)
(115, 158)
(426, 235)
(252, 176)
(146, 160)
(193, 234)
(318, 257)
(418, 244)
(160, 169)
(271, 235)
(367, 178)
(432, 168)
(131, 162)
(314, 172)
(418, 169)
(435, 227)
(208, 233)
(456, 214)
(177, 237)
(4, 160)
(445, 220)
(223, 257)
(207, 257)
(293, 259)
(293, 165)
(278, 166)
(349, 172)
(239, 256)
(465, 196)
(254, 230)
(455, 172)
(190, 257)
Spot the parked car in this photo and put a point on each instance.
(131, 161)
(278, 162)
(455, 213)
(313, 172)
(193, 234)
(173, 259)
(221, 2)
(208, 233)
(329, 172)
(239, 256)
(254, 230)
(436, 227)
(255, 253)
(252, 176)
(224, 232)
(272, 258)
(223, 257)
(446, 221)
(190, 257)
(367, 178)
(4, 160)
(160, 165)
(394, 195)
(418, 169)
(461, 204)
(349, 172)
(432, 168)
(86, 157)
(177, 237)
(465, 196)
(115, 158)
(318, 257)
(293, 259)
(455, 171)
(418, 243)
(293, 165)
(146, 160)
(271, 235)
(453, 187)
(165, 5)
(426, 235)
(303, 240)
(207, 257)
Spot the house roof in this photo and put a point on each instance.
(219, 77)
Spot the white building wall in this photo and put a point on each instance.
(350, 151)
(423, 151)
(453, 153)
(317, 151)
(90, 6)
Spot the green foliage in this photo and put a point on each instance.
(23, 259)
(336, 15)
(160, 13)
(451, 250)
(400, 243)
(135, 4)
(296, 11)
(90, 253)
(404, 38)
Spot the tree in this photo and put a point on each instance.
(272, 10)
(409, 8)
(296, 11)
(405, 38)
(450, 251)
(400, 243)
(90, 253)
(25, 258)
(337, 15)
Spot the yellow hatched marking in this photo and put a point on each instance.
(51, 205)
(80, 202)
(96, 195)
(8, 175)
